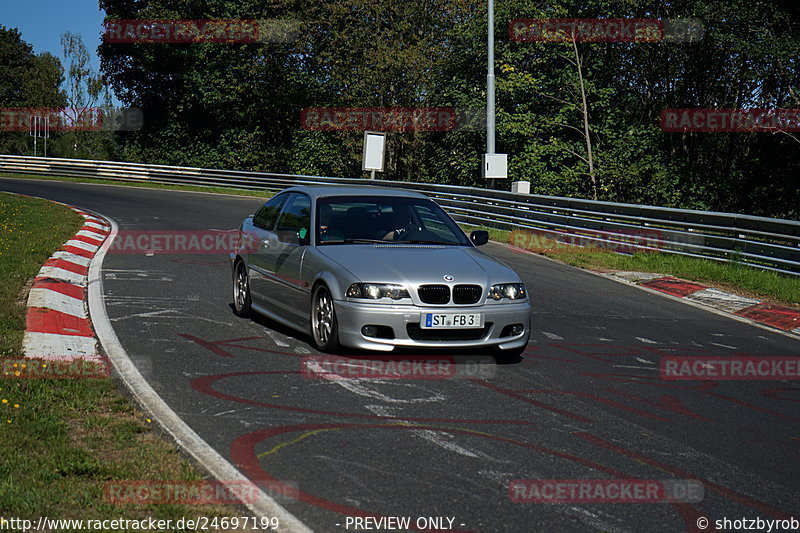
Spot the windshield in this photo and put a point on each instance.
(385, 220)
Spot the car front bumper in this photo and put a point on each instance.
(404, 321)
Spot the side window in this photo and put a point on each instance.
(266, 216)
(296, 214)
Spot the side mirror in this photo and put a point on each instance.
(479, 237)
(293, 236)
(303, 239)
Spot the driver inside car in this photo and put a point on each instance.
(402, 224)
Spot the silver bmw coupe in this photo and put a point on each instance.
(376, 268)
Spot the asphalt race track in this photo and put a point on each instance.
(585, 402)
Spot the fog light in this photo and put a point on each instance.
(513, 330)
(369, 331)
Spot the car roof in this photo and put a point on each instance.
(324, 191)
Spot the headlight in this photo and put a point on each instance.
(376, 291)
(512, 291)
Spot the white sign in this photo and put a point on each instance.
(374, 147)
(495, 166)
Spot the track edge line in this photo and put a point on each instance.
(146, 396)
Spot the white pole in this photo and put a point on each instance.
(34, 123)
(490, 107)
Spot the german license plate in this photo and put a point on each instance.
(451, 320)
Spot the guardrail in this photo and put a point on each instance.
(767, 243)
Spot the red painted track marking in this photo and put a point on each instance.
(63, 287)
(52, 321)
(78, 251)
(720, 489)
(243, 454)
(204, 384)
(69, 266)
(775, 393)
(517, 396)
(700, 387)
(667, 402)
(772, 315)
(596, 398)
(214, 346)
(87, 240)
(673, 286)
(103, 231)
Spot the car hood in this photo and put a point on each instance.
(417, 264)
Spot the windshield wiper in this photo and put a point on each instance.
(424, 241)
(355, 241)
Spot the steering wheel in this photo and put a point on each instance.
(414, 234)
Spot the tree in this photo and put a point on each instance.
(221, 105)
(26, 80)
(88, 101)
(577, 119)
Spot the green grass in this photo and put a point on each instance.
(497, 235)
(30, 230)
(260, 193)
(63, 439)
(734, 277)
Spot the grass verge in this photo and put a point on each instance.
(741, 279)
(261, 193)
(64, 439)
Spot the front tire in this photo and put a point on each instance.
(241, 291)
(324, 326)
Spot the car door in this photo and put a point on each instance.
(262, 236)
(284, 258)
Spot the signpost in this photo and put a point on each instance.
(40, 127)
(495, 166)
(374, 150)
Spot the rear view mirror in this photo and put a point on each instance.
(479, 237)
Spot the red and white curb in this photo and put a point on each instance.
(776, 316)
(58, 325)
(86, 244)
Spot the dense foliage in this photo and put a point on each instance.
(26, 80)
(238, 106)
